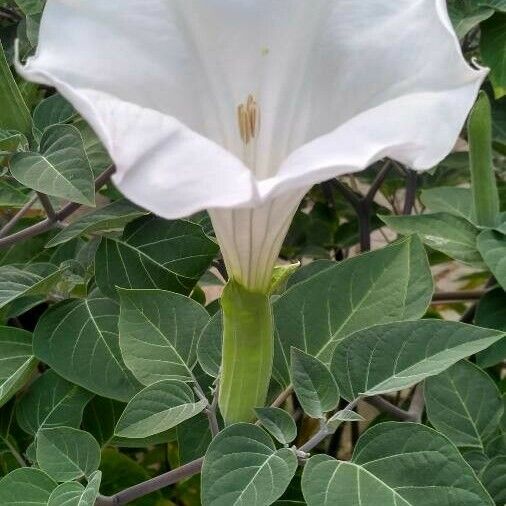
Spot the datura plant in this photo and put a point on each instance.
(217, 310)
(239, 108)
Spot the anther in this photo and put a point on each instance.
(248, 115)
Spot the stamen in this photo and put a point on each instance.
(248, 115)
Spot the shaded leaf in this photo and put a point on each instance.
(61, 168)
(154, 253)
(79, 340)
(391, 357)
(449, 199)
(242, 466)
(17, 362)
(464, 404)
(314, 386)
(493, 48)
(209, 346)
(492, 246)
(111, 217)
(26, 487)
(157, 408)
(158, 334)
(493, 478)
(279, 423)
(67, 454)
(51, 401)
(54, 110)
(449, 234)
(390, 284)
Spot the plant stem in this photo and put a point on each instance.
(18, 216)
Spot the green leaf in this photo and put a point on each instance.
(314, 386)
(17, 363)
(242, 466)
(193, 438)
(210, 345)
(154, 253)
(346, 415)
(112, 217)
(157, 408)
(477, 459)
(467, 14)
(420, 464)
(12, 141)
(327, 482)
(464, 404)
(66, 494)
(100, 418)
(391, 357)
(493, 478)
(390, 284)
(74, 494)
(67, 454)
(158, 334)
(54, 110)
(79, 340)
(493, 48)
(492, 246)
(279, 423)
(95, 151)
(490, 314)
(51, 402)
(16, 283)
(30, 6)
(26, 487)
(449, 234)
(14, 114)
(61, 169)
(449, 199)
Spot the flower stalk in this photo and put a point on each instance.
(248, 349)
(484, 185)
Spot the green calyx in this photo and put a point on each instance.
(248, 349)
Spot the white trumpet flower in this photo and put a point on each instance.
(240, 106)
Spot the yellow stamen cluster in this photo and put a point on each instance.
(248, 115)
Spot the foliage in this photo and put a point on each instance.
(110, 337)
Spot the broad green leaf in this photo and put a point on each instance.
(74, 494)
(100, 418)
(391, 357)
(120, 472)
(154, 253)
(67, 454)
(210, 344)
(279, 423)
(95, 151)
(492, 246)
(30, 6)
(51, 401)
(61, 168)
(314, 386)
(79, 340)
(111, 217)
(66, 494)
(26, 487)
(493, 49)
(328, 482)
(16, 283)
(467, 14)
(9, 450)
(420, 464)
(452, 235)
(193, 437)
(54, 110)
(158, 408)
(243, 467)
(477, 459)
(14, 113)
(491, 314)
(17, 362)
(464, 404)
(449, 199)
(390, 284)
(158, 334)
(493, 478)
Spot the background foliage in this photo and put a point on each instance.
(389, 365)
